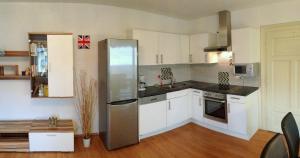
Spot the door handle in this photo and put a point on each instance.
(161, 59)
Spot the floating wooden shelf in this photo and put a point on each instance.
(14, 77)
(16, 54)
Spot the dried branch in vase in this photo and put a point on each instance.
(86, 95)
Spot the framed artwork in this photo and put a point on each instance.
(84, 41)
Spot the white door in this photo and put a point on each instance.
(169, 48)
(184, 53)
(148, 47)
(197, 104)
(60, 65)
(281, 45)
(152, 117)
(237, 117)
(177, 110)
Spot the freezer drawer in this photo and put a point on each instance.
(60, 142)
(122, 124)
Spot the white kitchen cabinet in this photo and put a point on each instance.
(169, 48)
(184, 50)
(246, 45)
(237, 117)
(51, 141)
(177, 107)
(197, 44)
(148, 47)
(60, 66)
(157, 48)
(197, 105)
(243, 114)
(152, 117)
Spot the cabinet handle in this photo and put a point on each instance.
(235, 98)
(206, 60)
(200, 102)
(228, 108)
(153, 99)
(169, 105)
(191, 59)
(196, 92)
(49, 67)
(162, 59)
(51, 135)
(156, 58)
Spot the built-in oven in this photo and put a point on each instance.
(215, 106)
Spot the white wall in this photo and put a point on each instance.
(17, 19)
(286, 11)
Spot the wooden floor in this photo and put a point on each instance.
(189, 141)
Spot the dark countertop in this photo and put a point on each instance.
(212, 87)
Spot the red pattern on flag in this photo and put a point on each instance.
(84, 41)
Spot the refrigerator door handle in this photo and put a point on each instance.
(123, 102)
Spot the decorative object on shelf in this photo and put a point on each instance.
(85, 92)
(33, 47)
(53, 121)
(27, 71)
(2, 52)
(14, 68)
(1, 70)
(41, 90)
(223, 78)
(84, 41)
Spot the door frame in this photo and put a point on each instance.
(263, 55)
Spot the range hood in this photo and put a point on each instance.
(223, 35)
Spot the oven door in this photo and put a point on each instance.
(215, 109)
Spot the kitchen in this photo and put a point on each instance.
(183, 80)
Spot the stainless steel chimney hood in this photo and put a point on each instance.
(223, 35)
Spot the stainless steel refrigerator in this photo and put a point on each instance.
(118, 103)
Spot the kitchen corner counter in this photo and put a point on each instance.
(205, 86)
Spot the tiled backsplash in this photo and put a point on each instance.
(181, 72)
(197, 72)
(209, 73)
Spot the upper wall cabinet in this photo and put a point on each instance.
(197, 44)
(245, 45)
(148, 47)
(156, 48)
(51, 65)
(184, 49)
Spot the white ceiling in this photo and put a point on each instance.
(185, 9)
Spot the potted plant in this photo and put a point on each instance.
(85, 91)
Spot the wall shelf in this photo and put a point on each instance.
(16, 54)
(14, 77)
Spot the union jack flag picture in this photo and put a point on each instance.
(84, 41)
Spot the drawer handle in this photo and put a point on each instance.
(153, 99)
(51, 135)
(235, 98)
(196, 92)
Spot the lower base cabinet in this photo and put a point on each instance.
(152, 117)
(177, 110)
(55, 142)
